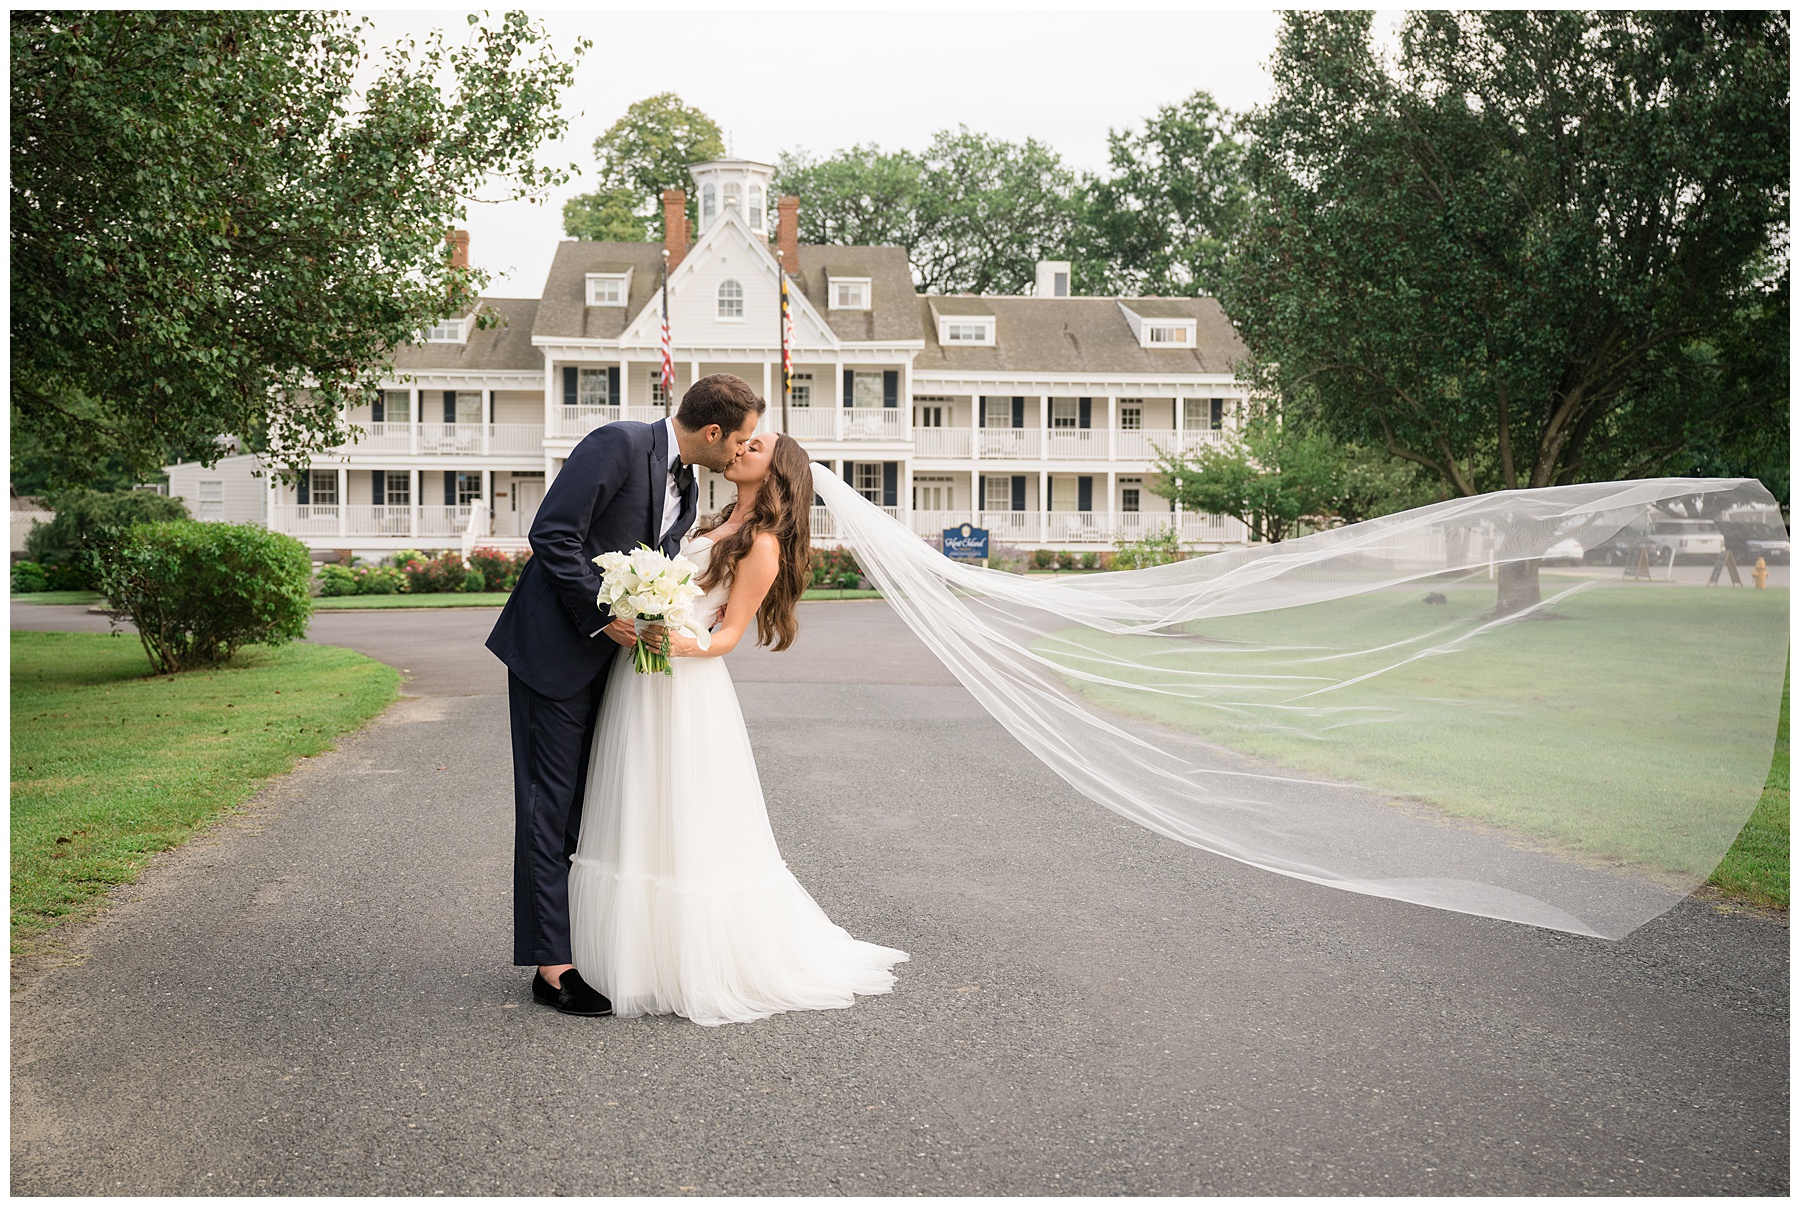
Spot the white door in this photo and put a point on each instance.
(527, 494)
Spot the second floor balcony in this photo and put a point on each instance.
(474, 439)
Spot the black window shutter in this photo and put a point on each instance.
(1084, 493)
(612, 386)
(1018, 499)
(1218, 413)
(890, 484)
(378, 409)
(1049, 494)
(303, 489)
(571, 387)
(449, 406)
(1086, 418)
(849, 387)
(449, 488)
(850, 472)
(1018, 411)
(890, 390)
(982, 403)
(378, 488)
(491, 396)
(981, 499)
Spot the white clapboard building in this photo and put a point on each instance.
(1037, 418)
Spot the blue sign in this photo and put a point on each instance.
(967, 542)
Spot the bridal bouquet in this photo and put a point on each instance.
(650, 588)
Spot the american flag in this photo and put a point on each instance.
(668, 359)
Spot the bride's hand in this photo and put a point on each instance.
(683, 646)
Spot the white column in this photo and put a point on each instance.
(412, 436)
(837, 392)
(1112, 430)
(343, 476)
(771, 415)
(975, 405)
(1112, 499)
(487, 498)
(487, 422)
(1180, 448)
(550, 426)
(414, 481)
(905, 500)
(905, 400)
(272, 504)
(1044, 504)
(1043, 428)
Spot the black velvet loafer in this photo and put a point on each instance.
(575, 996)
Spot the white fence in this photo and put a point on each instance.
(393, 520)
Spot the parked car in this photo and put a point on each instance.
(1564, 553)
(1692, 539)
(1619, 550)
(1748, 542)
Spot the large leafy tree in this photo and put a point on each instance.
(1159, 223)
(644, 152)
(975, 213)
(215, 232)
(1541, 247)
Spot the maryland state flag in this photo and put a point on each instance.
(668, 359)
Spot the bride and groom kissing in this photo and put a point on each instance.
(646, 879)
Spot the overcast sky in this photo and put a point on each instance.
(778, 81)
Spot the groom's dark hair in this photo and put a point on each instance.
(723, 398)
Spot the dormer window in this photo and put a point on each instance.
(1160, 322)
(607, 288)
(446, 331)
(978, 331)
(1167, 335)
(731, 301)
(756, 207)
(850, 293)
(709, 206)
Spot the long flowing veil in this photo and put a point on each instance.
(1346, 708)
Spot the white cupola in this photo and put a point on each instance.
(739, 184)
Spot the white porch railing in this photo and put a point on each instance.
(393, 519)
(461, 438)
(310, 519)
(1087, 444)
(384, 438)
(1143, 444)
(949, 442)
(874, 423)
(820, 518)
(579, 421)
(1008, 442)
(812, 423)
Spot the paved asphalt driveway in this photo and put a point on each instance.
(315, 996)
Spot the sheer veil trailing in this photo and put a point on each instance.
(1347, 709)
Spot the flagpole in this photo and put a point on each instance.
(668, 364)
(786, 353)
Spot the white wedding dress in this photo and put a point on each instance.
(679, 900)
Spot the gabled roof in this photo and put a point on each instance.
(894, 312)
(1078, 335)
(564, 313)
(507, 346)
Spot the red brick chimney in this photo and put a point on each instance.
(787, 234)
(459, 249)
(675, 226)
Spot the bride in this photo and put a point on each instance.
(679, 900)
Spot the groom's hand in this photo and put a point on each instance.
(622, 631)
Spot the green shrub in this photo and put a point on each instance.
(1156, 547)
(336, 580)
(474, 581)
(379, 580)
(198, 592)
(1090, 561)
(28, 577)
(1043, 559)
(499, 570)
(445, 572)
(399, 560)
(87, 523)
(835, 567)
(1067, 561)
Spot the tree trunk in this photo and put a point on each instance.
(1518, 587)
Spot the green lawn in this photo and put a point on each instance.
(814, 593)
(58, 597)
(110, 765)
(1582, 734)
(1756, 868)
(448, 599)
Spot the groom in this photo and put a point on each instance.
(625, 484)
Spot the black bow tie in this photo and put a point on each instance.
(683, 475)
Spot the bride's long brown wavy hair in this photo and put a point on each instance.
(784, 507)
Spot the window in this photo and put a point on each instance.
(1060, 285)
(866, 389)
(934, 493)
(212, 498)
(756, 207)
(1130, 494)
(468, 407)
(396, 488)
(1064, 413)
(1131, 414)
(849, 293)
(969, 331)
(396, 407)
(800, 390)
(592, 389)
(999, 494)
(1159, 333)
(999, 410)
(657, 397)
(605, 289)
(468, 488)
(931, 417)
(447, 331)
(708, 206)
(731, 200)
(322, 486)
(731, 301)
(1197, 413)
(868, 481)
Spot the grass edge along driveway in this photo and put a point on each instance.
(111, 764)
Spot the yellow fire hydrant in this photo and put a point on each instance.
(1761, 574)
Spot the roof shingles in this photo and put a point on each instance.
(1078, 335)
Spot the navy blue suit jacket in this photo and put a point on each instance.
(607, 497)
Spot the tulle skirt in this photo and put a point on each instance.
(679, 900)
